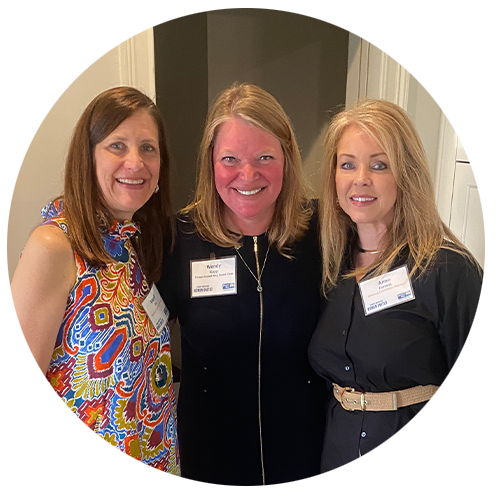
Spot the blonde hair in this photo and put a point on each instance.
(416, 222)
(291, 214)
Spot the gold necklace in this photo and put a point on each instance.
(259, 271)
(370, 252)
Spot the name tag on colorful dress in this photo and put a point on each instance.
(387, 290)
(213, 277)
(156, 309)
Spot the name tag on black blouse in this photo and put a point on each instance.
(387, 290)
(213, 277)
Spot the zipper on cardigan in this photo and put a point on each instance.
(259, 289)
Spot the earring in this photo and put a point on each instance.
(157, 188)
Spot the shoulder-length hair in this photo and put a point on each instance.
(291, 214)
(416, 222)
(84, 205)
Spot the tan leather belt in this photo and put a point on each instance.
(382, 401)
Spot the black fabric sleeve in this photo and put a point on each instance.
(461, 298)
(166, 284)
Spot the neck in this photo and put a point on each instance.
(247, 227)
(371, 239)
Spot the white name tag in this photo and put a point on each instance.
(213, 277)
(156, 309)
(386, 291)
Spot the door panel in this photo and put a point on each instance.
(466, 214)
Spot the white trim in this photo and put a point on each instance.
(385, 57)
(136, 65)
(126, 62)
(357, 69)
(372, 73)
(405, 41)
(450, 113)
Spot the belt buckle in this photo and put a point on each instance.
(351, 390)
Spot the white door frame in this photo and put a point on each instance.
(372, 73)
(136, 63)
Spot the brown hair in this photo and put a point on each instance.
(416, 220)
(260, 109)
(84, 205)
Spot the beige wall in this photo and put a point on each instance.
(57, 61)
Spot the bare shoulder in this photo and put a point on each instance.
(49, 239)
(40, 287)
(48, 255)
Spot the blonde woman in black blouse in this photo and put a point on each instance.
(401, 289)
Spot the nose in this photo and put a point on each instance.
(248, 172)
(133, 159)
(363, 176)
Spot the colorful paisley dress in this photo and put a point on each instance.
(110, 365)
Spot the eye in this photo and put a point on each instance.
(379, 165)
(229, 160)
(148, 148)
(347, 165)
(116, 145)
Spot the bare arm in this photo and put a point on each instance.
(43, 279)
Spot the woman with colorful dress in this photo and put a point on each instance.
(401, 289)
(84, 282)
(244, 283)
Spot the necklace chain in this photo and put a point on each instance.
(259, 271)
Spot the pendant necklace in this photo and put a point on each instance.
(259, 271)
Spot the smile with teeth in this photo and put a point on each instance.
(362, 198)
(248, 193)
(131, 181)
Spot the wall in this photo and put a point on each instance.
(57, 61)
(300, 60)
(181, 69)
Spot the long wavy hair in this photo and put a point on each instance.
(416, 222)
(292, 212)
(84, 206)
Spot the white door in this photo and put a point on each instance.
(467, 216)
(466, 219)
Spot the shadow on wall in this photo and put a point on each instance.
(300, 60)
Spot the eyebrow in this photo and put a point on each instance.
(371, 156)
(145, 138)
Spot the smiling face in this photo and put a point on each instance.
(127, 164)
(366, 187)
(248, 173)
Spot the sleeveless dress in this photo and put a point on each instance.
(110, 365)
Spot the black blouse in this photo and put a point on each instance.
(218, 410)
(413, 343)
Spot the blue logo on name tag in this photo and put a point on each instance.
(227, 286)
(404, 295)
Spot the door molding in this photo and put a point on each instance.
(136, 63)
(372, 73)
(451, 110)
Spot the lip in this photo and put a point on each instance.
(362, 200)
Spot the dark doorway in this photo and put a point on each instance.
(300, 60)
